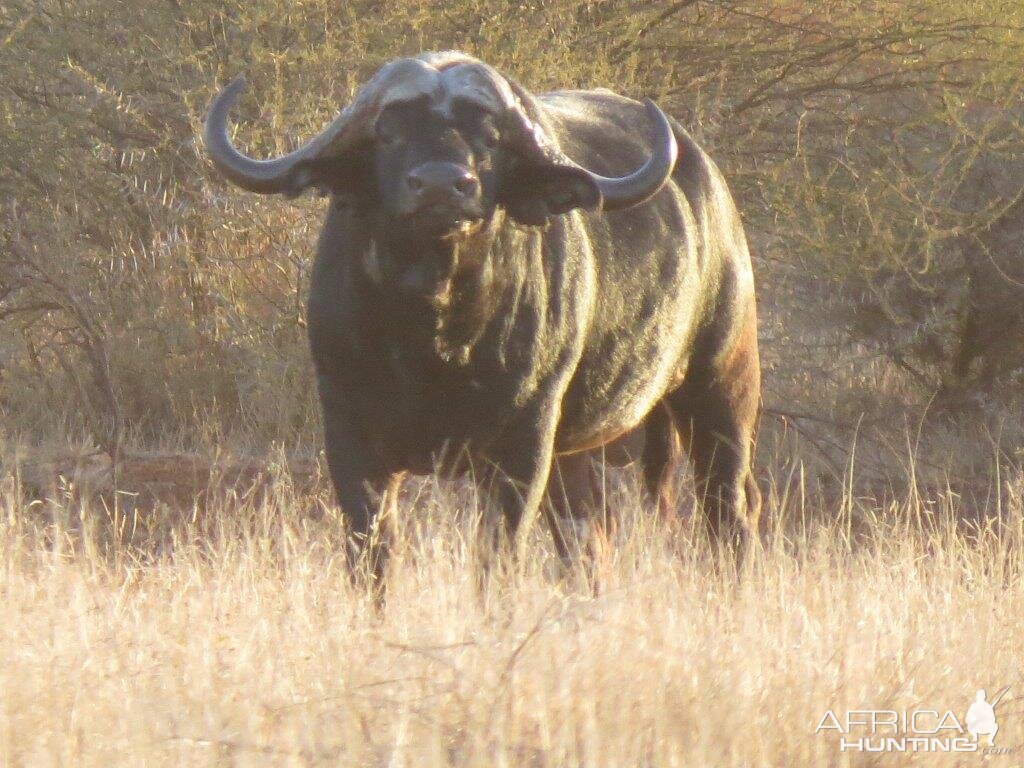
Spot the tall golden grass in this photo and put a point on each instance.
(230, 633)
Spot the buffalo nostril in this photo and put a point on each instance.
(466, 185)
(415, 182)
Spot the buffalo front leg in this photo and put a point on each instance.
(523, 466)
(365, 490)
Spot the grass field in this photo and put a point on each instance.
(229, 633)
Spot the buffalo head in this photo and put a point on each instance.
(435, 145)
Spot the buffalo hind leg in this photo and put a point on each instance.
(717, 417)
(578, 492)
(720, 454)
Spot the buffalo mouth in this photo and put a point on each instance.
(446, 222)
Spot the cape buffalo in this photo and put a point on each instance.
(512, 277)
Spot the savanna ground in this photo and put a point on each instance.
(189, 603)
(230, 633)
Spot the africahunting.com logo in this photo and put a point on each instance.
(917, 730)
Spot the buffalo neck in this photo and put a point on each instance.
(434, 299)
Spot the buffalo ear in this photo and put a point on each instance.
(535, 193)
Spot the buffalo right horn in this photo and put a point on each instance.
(289, 174)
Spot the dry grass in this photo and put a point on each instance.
(234, 637)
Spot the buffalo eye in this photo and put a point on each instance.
(476, 121)
(386, 129)
(386, 135)
(491, 138)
